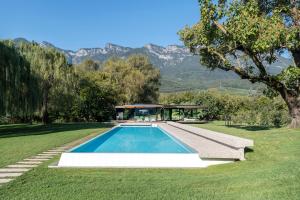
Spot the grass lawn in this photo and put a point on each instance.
(271, 171)
(19, 141)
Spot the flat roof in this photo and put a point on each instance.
(131, 106)
(183, 106)
(141, 106)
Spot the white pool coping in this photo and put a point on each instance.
(134, 160)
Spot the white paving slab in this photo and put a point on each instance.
(51, 153)
(43, 157)
(36, 159)
(21, 166)
(55, 150)
(5, 180)
(62, 148)
(14, 170)
(30, 162)
(6, 175)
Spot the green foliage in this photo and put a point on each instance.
(247, 36)
(249, 110)
(135, 79)
(50, 66)
(291, 78)
(37, 83)
(262, 111)
(88, 65)
(19, 93)
(96, 98)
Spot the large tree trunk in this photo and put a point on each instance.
(293, 103)
(45, 114)
(296, 56)
(294, 110)
(295, 113)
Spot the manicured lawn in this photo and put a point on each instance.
(271, 171)
(20, 141)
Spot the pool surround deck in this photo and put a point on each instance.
(209, 144)
(211, 148)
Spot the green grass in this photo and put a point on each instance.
(19, 141)
(271, 171)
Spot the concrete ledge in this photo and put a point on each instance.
(209, 144)
(233, 141)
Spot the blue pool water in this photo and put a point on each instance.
(146, 139)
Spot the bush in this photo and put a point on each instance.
(250, 110)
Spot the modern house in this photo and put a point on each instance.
(159, 112)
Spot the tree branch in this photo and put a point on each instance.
(257, 62)
(254, 57)
(220, 27)
(229, 67)
(269, 80)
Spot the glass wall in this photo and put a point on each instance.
(140, 114)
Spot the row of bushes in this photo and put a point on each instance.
(244, 110)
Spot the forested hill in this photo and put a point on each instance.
(180, 70)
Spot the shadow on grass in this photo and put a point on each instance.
(250, 128)
(248, 150)
(16, 130)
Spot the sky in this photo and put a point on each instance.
(74, 24)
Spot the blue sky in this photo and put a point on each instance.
(73, 24)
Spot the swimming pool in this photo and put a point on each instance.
(134, 139)
(132, 146)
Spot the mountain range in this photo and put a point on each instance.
(180, 70)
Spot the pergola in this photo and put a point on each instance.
(157, 111)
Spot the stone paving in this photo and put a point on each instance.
(10, 172)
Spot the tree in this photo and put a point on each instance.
(136, 79)
(50, 66)
(96, 97)
(19, 92)
(149, 92)
(245, 36)
(88, 65)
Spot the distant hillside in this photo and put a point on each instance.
(180, 70)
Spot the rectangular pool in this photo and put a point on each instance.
(134, 139)
(132, 146)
